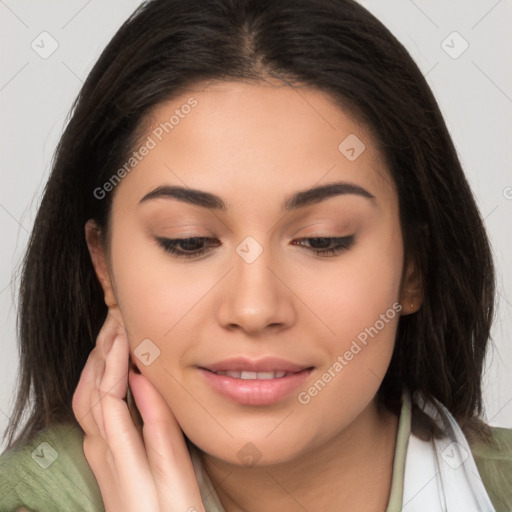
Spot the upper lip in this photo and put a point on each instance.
(265, 364)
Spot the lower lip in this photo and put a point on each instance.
(255, 391)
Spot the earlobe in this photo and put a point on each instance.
(412, 289)
(96, 248)
(99, 261)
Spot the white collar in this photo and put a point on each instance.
(441, 474)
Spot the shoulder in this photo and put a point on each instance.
(494, 463)
(49, 473)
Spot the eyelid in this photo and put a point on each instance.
(343, 243)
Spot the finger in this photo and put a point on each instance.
(132, 406)
(169, 458)
(95, 402)
(99, 457)
(85, 395)
(113, 381)
(115, 377)
(108, 331)
(106, 338)
(129, 459)
(87, 410)
(94, 366)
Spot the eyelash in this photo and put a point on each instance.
(169, 245)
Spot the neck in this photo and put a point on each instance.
(350, 471)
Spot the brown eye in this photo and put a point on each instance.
(329, 245)
(190, 247)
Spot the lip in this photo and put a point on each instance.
(255, 391)
(265, 364)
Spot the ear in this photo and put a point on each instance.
(96, 246)
(411, 296)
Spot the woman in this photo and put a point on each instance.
(260, 206)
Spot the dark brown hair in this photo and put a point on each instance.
(335, 46)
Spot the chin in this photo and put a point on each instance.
(256, 452)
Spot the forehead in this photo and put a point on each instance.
(228, 137)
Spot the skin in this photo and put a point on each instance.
(255, 145)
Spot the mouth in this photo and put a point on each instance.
(246, 375)
(249, 367)
(249, 382)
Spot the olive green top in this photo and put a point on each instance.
(51, 473)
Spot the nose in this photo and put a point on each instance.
(256, 294)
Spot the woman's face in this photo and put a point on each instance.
(259, 290)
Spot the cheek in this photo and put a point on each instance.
(156, 296)
(351, 295)
(362, 312)
(362, 317)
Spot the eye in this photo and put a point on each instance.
(191, 247)
(194, 247)
(329, 246)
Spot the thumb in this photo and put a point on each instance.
(167, 452)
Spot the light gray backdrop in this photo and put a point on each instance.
(463, 47)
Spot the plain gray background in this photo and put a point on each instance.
(473, 88)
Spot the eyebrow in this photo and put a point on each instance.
(300, 199)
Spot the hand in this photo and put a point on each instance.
(135, 472)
